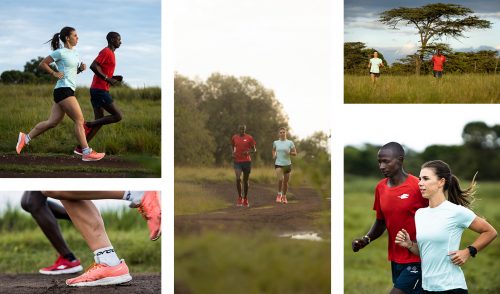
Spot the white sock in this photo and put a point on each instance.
(27, 139)
(86, 150)
(281, 194)
(135, 197)
(107, 256)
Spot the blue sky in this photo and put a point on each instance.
(27, 25)
(361, 25)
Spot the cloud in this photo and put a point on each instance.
(408, 48)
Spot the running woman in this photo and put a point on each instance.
(103, 67)
(397, 198)
(108, 269)
(66, 59)
(440, 227)
(46, 214)
(438, 61)
(242, 145)
(374, 65)
(282, 150)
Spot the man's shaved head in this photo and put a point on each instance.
(396, 149)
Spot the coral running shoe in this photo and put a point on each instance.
(283, 199)
(21, 141)
(86, 129)
(93, 156)
(278, 198)
(240, 201)
(62, 266)
(151, 211)
(99, 274)
(245, 202)
(78, 150)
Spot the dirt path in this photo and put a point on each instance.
(36, 283)
(67, 166)
(263, 214)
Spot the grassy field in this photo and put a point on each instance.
(368, 271)
(467, 88)
(138, 133)
(25, 249)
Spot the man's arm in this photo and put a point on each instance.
(96, 68)
(377, 229)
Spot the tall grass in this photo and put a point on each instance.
(22, 106)
(242, 263)
(192, 198)
(466, 88)
(24, 248)
(368, 271)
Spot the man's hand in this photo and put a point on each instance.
(118, 78)
(358, 244)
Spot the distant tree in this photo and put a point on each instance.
(434, 21)
(17, 77)
(357, 56)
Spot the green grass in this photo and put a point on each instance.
(25, 249)
(23, 106)
(258, 175)
(368, 271)
(263, 263)
(192, 198)
(466, 88)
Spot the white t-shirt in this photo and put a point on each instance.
(439, 231)
(375, 62)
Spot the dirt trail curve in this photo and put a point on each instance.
(37, 283)
(263, 214)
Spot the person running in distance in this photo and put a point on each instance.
(374, 65)
(440, 227)
(438, 61)
(103, 67)
(108, 269)
(397, 198)
(46, 213)
(242, 145)
(283, 149)
(66, 59)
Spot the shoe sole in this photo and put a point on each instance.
(91, 159)
(18, 149)
(156, 237)
(63, 272)
(105, 281)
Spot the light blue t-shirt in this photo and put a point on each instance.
(67, 61)
(375, 62)
(283, 149)
(439, 231)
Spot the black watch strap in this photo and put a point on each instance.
(472, 250)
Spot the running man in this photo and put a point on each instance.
(282, 150)
(103, 67)
(397, 198)
(374, 65)
(438, 61)
(108, 269)
(46, 214)
(242, 145)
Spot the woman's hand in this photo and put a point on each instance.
(403, 239)
(59, 75)
(459, 257)
(82, 67)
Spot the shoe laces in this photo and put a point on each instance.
(93, 267)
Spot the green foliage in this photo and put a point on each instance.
(434, 21)
(368, 271)
(32, 74)
(468, 88)
(138, 133)
(261, 263)
(192, 198)
(480, 152)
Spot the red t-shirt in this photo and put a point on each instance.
(106, 60)
(438, 61)
(241, 144)
(397, 207)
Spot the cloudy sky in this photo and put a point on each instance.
(424, 125)
(361, 25)
(283, 44)
(27, 25)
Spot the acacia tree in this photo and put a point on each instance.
(434, 21)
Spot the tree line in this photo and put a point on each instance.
(480, 151)
(357, 55)
(207, 114)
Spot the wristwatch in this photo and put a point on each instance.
(472, 250)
